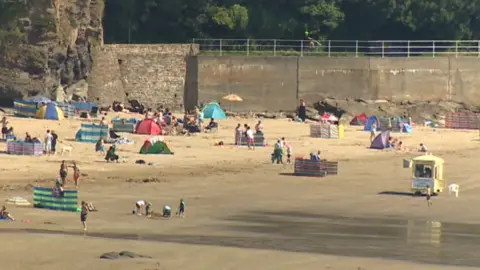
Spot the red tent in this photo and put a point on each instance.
(359, 120)
(328, 118)
(148, 126)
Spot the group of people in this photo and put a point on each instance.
(248, 133)
(279, 149)
(63, 173)
(146, 206)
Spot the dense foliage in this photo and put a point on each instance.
(147, 21)
(156, 21)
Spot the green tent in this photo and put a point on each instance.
(156, 148)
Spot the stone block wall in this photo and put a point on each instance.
(155, 75)
(277, 83)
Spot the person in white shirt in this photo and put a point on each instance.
(373, 132)
(277, 153)
(48, 143)
(140, 205)
(250, 138)
(423, 148)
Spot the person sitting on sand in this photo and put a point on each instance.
(315, 156)
(100, 147)
(423, 148)
(259, 128)
(4, 214)
(28, 138)
(167, 211)
(111, 156)
(212, 125)
(11, 134)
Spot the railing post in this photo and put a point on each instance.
(356, 48)
(248, 47)
(329, 48)
(274, 47)
(456, 48)
(221, 53)
(383, 49)
(433, 48)
(301, 48)
(408, 49)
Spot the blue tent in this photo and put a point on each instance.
(213, 110)
(39, 99)
(368, 125)
(50, 111)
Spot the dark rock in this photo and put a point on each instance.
(110, 256)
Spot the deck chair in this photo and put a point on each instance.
(94, 112)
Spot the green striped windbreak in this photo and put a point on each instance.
(48, 199)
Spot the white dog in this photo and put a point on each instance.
(66, 148)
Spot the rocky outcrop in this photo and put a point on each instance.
(51, 48)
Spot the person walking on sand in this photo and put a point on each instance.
(76, 174)
(83, 215)
(48, 143)
(181, 208)
(429, 196)
(250, 138)
(373, 132)
(289, 152)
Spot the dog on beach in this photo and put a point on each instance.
(66, 149)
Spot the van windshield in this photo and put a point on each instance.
(423, 171)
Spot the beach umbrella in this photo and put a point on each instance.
(232, 97)
(39, 99)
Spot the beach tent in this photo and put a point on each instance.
(213, 110)
(148, 126)
(39, 99)
(381, 141)
(24, 108)
(92, 133)
(407, 128)
(155, 145)
(368, 125)
(359, 120)
(50, 111)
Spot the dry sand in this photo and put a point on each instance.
(242, 211)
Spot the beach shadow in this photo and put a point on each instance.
(287, 174)
(397, 193)
(70, 140)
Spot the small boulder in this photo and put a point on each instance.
(110, 256)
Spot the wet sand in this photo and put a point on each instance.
(245, 213)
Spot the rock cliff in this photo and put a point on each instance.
(47, 45)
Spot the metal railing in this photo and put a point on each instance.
(335, 48)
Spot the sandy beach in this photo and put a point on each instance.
(242, 211)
